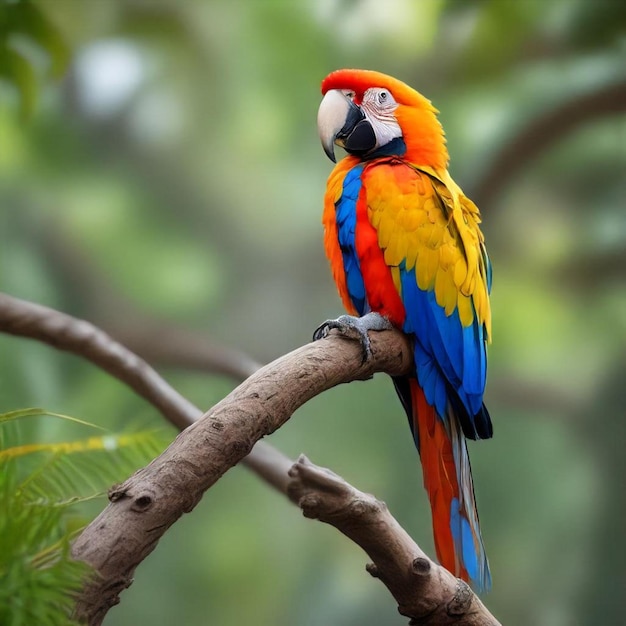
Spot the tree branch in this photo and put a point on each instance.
(64, 332)
(425, 591)
(117, 315)
(144, 506)
(67, 333)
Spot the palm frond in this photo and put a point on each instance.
(38, 483)
(38, 577)
(68, 472)
(35, 412)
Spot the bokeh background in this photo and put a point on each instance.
(160, 174)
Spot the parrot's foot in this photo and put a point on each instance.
(355, 328)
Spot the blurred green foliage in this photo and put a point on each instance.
(175, 172)
(28, 42)
(43, 489)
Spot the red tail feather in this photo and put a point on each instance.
(448, 482)
(439, 472)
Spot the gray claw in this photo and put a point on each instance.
(356, 328)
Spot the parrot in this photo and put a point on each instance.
(406, 251)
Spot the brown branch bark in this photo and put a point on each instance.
(425, 591)
(128, 324)
(144, 506)
(64, 332)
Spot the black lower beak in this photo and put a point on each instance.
(357, 135)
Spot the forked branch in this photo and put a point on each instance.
(425, 591)
(142, 508)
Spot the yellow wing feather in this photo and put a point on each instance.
(423, 219)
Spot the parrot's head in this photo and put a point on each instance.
(370, 114)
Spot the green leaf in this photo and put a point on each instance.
(75, 471)
(35, 412)
(39, 579)
(38, 483)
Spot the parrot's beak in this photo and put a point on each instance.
(341, 122)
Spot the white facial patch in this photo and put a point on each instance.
(379, 106)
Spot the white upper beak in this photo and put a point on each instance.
(331, 118)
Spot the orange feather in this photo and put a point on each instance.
(440, 476)
(331, 238)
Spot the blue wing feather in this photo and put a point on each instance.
(451, 360)
(346, 228)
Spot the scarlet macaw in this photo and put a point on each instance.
(406, 250)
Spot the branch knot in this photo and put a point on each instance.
(460, 603)
(421, 566)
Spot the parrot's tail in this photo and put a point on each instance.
(448, 481)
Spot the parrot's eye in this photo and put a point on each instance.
(382, 97)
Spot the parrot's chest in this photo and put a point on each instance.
(366, 279)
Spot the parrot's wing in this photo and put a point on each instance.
(432, 244)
